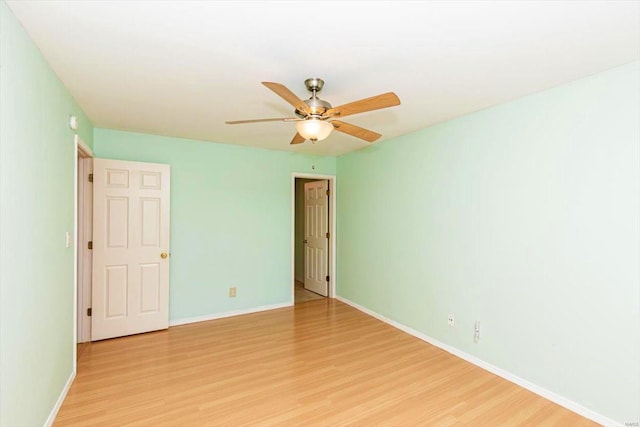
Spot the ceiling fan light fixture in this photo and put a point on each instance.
(314, 129)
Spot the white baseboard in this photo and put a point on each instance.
(549, 395)
(228, 314)
(56, 408)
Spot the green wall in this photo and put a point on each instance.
(230, 218)
(36, 201)
(525, 217)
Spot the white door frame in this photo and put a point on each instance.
(80, 287)
(332, 229)
(85, 232)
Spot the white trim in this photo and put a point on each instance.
(79, 229)
(85, 232)
(76, 148)
(84, 149)
(540, 391)
(332, 219)
(56, 408)
(228, 314)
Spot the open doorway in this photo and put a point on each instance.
(313, 237)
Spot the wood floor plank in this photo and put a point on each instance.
(317, 363)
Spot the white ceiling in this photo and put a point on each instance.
(181, 68)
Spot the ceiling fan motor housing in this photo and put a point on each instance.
(317, 107)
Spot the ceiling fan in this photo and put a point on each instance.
(316, 118)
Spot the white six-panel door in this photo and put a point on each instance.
(130, 292)
(316, 227)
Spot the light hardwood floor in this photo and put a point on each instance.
(318, 363)
(303, 295)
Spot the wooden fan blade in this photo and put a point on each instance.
(297, 139)
(377, 102)
(356, 131)
(284, 119)
(288, 96)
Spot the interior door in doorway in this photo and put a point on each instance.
(130, 291)
(316, 237)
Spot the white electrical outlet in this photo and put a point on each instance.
(476, 331)
(232, 292)
(451, 320)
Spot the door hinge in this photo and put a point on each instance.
(327, 235)
(90, 177)
(328, 192)
(327, 278)
(89, 311)
(90, 245)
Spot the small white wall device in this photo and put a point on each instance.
(73, 122)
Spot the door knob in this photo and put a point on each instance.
(164, 255)
(305, 240)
